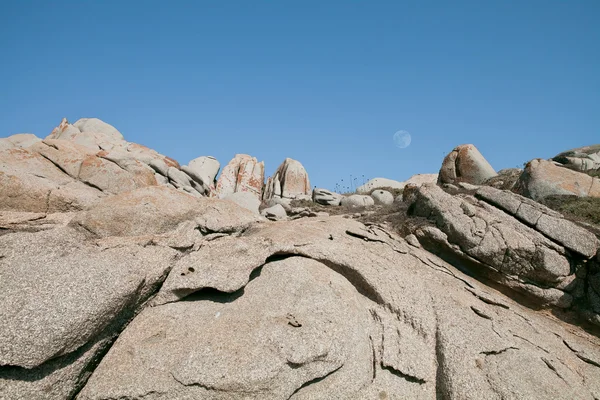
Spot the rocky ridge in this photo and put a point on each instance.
(129, 288)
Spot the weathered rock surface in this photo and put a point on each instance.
(543, 178)
(203, 170)
(520, 244)
(20, 140)
(581, 159)
(357, 200)
(465, 164)
(242, 174)
(247, 200)
(382, 197)
(359, 314)
(115, 287)
(275, 212)
(62, 303)
(159, 209)
(289, 181)
(326, 197)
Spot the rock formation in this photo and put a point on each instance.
(511, 240)
(465, 164)
(378, 183)
(543, 178)
(290, 181)
(581, 159)
(242, 174)
(113, 286)
(204, 170)
(326, 198)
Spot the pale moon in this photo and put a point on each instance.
(402, 139)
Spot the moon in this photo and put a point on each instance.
(402, 139)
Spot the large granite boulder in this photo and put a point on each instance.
(326, 197)
(242, 174)
(543, 178)
(465, 164)
(581, 159)
(203, 170)
(289, 181)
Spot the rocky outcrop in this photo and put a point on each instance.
(115, 288)
(465, 164)
(509, 239)
(104, 139)
(581, 159)
(543, 178)
(326, 198)
(242, 174)
(289, 181)
(358, 314)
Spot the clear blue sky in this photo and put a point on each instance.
(324, 82)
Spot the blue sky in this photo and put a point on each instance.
(325, 82)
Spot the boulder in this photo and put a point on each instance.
(246, 200)
(94, 125)
(274, 213)
(289, 181)
(285, 203)
(377, 183)
(581, 159)
(203, 170)
(465, 164)
(382, 197)
(326, 198)
(543, 178)
(242, 174)
(357, 200)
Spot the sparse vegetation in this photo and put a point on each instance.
(580, 209)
